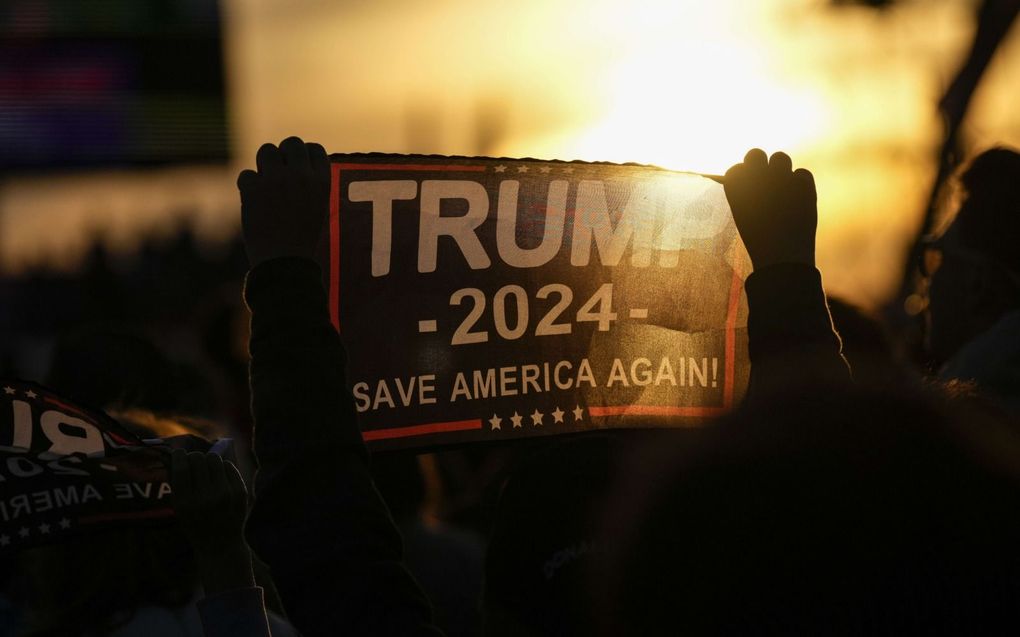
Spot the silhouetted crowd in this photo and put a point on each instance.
(852, 492)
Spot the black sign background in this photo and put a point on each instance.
(66, 469)
(685, 307)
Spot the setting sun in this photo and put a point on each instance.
(692, 90)
(849, 92)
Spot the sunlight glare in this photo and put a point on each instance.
(690, 97)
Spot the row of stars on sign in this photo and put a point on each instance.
(496, 423)
(44, 529)
(542, 169)
(10, 391)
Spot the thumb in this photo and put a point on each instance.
(247, 181)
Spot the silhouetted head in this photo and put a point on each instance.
(974, 266)
(103, 366)
(825, 511)
(866, 344)
(399, 478)
(94, 583)
(544, 540)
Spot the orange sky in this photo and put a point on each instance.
(849, 93)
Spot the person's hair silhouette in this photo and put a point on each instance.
(973, 267)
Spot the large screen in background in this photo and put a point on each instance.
(100, 83)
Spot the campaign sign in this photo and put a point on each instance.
(65, 469)
(489, 299)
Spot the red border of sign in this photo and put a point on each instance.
(729, 368)
(164, 512)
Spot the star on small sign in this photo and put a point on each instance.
(578, 412)
(545, 169)
(557, 415)
(65, 523)
(522, 169)
(23, 531)
(44, 528)
(516, 418)
(536, 418)
(499, 169)
(31, 394)
(568, 169)
(5, 540)
(495, 421)
(9, 391)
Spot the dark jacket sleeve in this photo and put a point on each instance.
(318, 521)
(790, 334)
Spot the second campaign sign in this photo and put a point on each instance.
(490, 299)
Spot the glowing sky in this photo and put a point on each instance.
(848, 92)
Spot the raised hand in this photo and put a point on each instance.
(284, 204)
(211, 504)
(774, 208)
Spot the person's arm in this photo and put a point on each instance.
(790, 333)
(318, 521)
(210, 503)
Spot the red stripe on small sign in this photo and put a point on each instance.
(422, 430)
(166, 512)
(64, 406)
